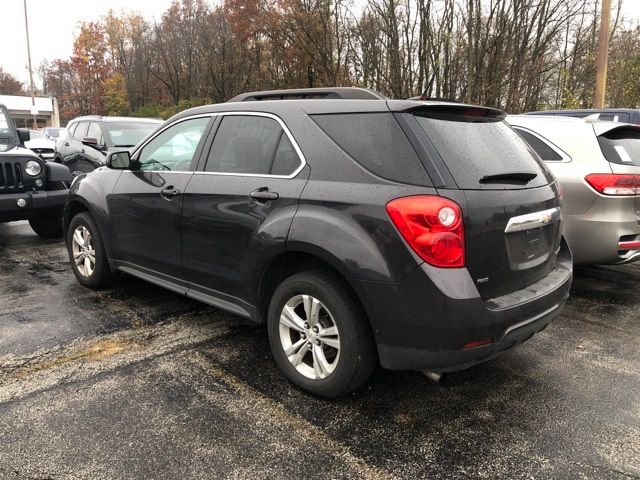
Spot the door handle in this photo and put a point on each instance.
(169, 192)
(263, 195)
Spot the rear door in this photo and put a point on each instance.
(239, 205)
(509, 199)
(146, 204)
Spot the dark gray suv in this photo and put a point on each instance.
(83, 145)
(411, 234)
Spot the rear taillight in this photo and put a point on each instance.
(433, 228)
(614, 184)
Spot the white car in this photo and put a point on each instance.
(41, 144)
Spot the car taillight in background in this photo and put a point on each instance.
(433, 228)
(614, 184)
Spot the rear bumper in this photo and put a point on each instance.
(595, 236)
(425, 321)
(39, 200)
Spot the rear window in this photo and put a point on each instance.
(375, 141)
(621, 145)
(544, 151)
(474, 147)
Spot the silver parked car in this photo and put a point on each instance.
(598, 165)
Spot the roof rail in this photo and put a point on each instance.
(342, 93)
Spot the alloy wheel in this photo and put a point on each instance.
(309, 337)
(84, 254)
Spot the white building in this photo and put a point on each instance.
(21, 109)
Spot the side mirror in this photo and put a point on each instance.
(92, 142)
(24, 135)
(119, 160)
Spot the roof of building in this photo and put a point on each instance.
(22, 103)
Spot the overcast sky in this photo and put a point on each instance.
(53, 24)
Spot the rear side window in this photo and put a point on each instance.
(375, 141)
(249, 144)
(544, 150)
(475, 147)
(621, 145)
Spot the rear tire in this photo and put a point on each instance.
(47, 223)
(86, 253)
(319, 335)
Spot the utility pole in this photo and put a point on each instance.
(34, 111)
(603, 55)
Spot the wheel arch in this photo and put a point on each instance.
(301, 258)
(73, 207)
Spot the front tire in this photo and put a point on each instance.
(319, 336)
(47, 223)
(86, 253)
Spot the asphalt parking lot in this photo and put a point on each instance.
(137, 382)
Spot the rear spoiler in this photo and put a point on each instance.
(604, 127)
(458, 109)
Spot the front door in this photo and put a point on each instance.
(239, 208)
(146, 204)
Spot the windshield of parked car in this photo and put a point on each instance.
(52, 132)
(33, 134)
(128, 134)
(6, 132)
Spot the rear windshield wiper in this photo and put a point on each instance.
(512, 177)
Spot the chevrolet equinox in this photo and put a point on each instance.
(361, 230)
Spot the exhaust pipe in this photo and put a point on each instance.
(432, 375)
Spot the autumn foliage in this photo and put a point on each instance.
(515, 54)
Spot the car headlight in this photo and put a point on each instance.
(33, 168)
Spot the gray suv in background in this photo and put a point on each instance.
(598, 165)
(622, 115)
(83, 146)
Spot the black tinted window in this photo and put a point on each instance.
(474, 147)
(286, 160)
(375, 141)
(615, 117)
(544, 150)
(621, 145)
(251, 144)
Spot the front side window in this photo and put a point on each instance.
(81, 130)
(95, 132)
(174, 148)
(247, 144)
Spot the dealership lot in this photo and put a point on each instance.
(139, 382)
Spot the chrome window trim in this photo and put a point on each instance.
(565, 157)
(533, 220)
(296, 147)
